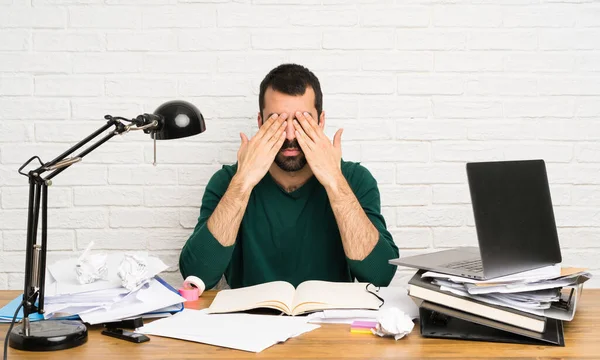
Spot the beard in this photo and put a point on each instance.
(290, 163)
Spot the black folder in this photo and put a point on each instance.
(438, 321)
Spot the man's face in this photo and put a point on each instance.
(291, 157)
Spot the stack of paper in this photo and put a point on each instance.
(240, 331)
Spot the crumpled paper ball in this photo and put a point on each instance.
(90, 268)
(393, 322)
(132, 271)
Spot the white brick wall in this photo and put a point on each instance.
(420, 86)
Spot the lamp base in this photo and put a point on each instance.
(49, 335)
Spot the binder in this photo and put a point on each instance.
(438, 321)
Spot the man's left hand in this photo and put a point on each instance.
(323, 156)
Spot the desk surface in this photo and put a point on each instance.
(582, 338)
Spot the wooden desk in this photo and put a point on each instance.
(582, 337)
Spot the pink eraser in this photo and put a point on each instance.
(190, 294)
(364, 324)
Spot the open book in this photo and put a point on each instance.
(310, 296)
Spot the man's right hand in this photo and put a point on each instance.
(256, 155)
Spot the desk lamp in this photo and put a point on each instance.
(171, 120)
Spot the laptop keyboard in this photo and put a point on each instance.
(471, 265)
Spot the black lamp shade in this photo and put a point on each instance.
(179, 119)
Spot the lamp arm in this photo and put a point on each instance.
(35, 255)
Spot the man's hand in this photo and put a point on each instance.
(256, 155)
(323, 157)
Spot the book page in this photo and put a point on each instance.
(321, 295)
(274, 295)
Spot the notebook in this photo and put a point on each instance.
(309, 296)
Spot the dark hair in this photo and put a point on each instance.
(291, 79)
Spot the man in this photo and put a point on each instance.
(290, 208)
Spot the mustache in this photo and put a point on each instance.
(290, 144)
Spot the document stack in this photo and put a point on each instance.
(109, 299)
(526, 308)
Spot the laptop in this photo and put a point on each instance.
(514, 221)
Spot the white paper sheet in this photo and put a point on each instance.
(246, 332)
(547, 272)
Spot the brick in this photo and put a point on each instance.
(183, 153)
(157, 40)
(178, 16)
(466, 151)
(188, 218)
(549, 151)
(57, 240)
(454, 237)
(421, 129)
(325, 18)
(242, 62)
(65, 131)
(177, 197)
(35, 63)
(114, 239)
(107, 196)
(430, 84)
(53, 85)
(107, 63)
(4, 277)
(569, 129)
(179, 63)
(286, 40)
(17, 197)
(19, 153)
(395, 151)
(398, 61)
(576, 216)
(448, 107)
(417, 16)
(539, 62)
(484, 129)
(81, 174)
(12, 262)
(228, 153)
(394, 107)
(389, 214)
(78, 218)
(104, 17)
(340, 107)
(430, 39)
(358, 39)
(95, 109)
(582, 258)
(383, 173)
(502, 85)
(13, 219)
(451, 194)
(140, 86)
(538, 16)
(569, 39)
(27, 17)
(142, 174)
(539, 107)
(15, 85)
(14, 40)
(65, 40)
(586, 195)
(466, 16)
(143, 217)
(587, 152)
(64, 2)
(503, 40)
(577, 237)
(561, 194)
(468, 61)
(588, 85)
(431, 174)
(16, 280)
(10, 177)
(359, 84)
(587, 106)
(432, 216)
(241, 16)
(214, 86)
(412, 238)
(584, 174)
(587, 61)
(221, 39)
(587, 16)
(196, 175)
(224, 107)
(364, 129)
(15, 131)
(171, 239)
(405, 195)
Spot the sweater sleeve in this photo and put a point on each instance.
(203, 255)
(374, 268)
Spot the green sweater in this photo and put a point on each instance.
(285, 236)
